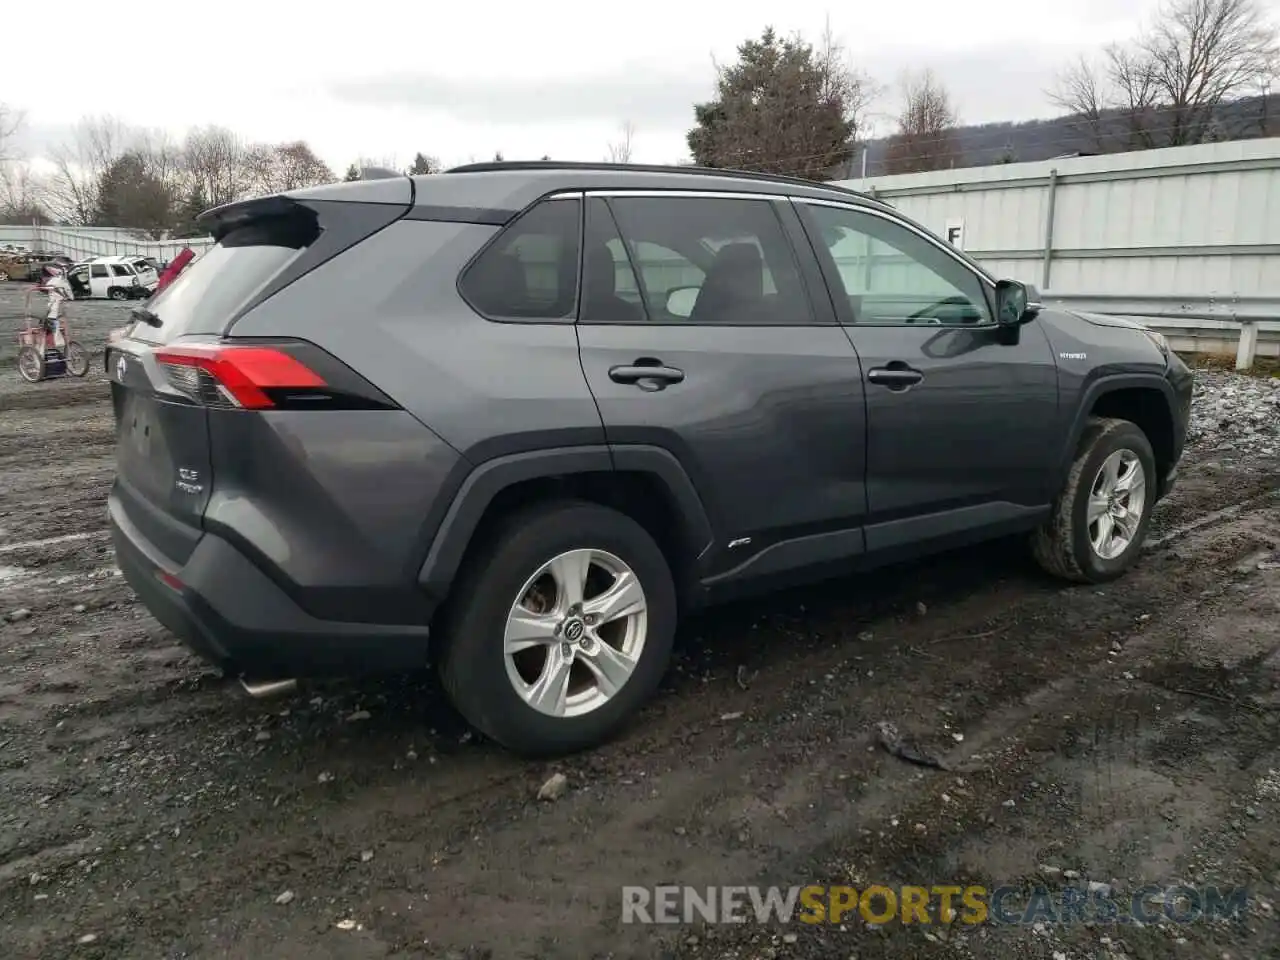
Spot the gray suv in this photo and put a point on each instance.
(517, 418)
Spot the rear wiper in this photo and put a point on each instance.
(149, 317)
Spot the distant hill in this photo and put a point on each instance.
(991, 143)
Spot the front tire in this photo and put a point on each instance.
(1100, 519)
(560, 629)
(31, 364)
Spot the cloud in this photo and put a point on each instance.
(988, 83)
(644, 93)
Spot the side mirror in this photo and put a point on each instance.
(1016, 303)
(681, 300)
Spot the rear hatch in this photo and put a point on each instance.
(163, 467)
(176, 366)
(147, 275)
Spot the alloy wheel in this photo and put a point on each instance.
(1117, 501)
(575, 633)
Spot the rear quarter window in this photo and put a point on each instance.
(207, 295)
(530, 271)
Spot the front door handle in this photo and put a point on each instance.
(646, 376)
(896, 375)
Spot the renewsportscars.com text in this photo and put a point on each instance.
(939, 903)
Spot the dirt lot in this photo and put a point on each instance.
(1130, 734)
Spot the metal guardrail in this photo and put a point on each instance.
(1248, 325)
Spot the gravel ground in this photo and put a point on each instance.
(1235, 416)
(1129, 734)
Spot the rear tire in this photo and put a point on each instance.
(30, 364)
(118, 293)
(1101, 516)
(495, 690)
(77, 359)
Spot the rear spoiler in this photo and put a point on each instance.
(222, 220)
(377, 186)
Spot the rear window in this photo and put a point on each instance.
(207, 294)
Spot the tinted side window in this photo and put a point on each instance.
(118, 270)
(712, 260)
(893, 275)
(531, 271)
(610, 292)
(98, 269)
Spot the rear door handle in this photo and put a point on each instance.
(645, 376)
(895, 376)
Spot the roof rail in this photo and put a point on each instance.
(499, 165)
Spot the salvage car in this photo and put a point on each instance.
(112, 278)
(590, 399)
(21, 267)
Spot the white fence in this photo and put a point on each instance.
(1187, 238)
(81, 242)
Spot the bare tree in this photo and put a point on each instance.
(19, 189)
(1203, 52)
(162, 159)
(298, 166)
(1166, 87)
(620, 150)
(216, 166)
(10, 122)
(1135, 95)
(840, 82)
(925, 139)
(21, 194)
(275, 168)
(785, 106)
(95, 145)
(1081, 90)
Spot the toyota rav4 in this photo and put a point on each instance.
(518, 418)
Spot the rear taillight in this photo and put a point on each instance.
(235, 376)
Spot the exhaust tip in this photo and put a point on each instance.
(268, 688)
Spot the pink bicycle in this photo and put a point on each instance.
(44, 355)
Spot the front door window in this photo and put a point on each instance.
(892, 275)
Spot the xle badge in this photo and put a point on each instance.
(189, 480)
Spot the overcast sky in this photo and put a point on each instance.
(387, 78)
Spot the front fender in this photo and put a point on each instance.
(1098, 387)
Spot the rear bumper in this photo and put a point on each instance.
(230, 613)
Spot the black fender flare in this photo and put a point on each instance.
(488, 479)
(1110, 383)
